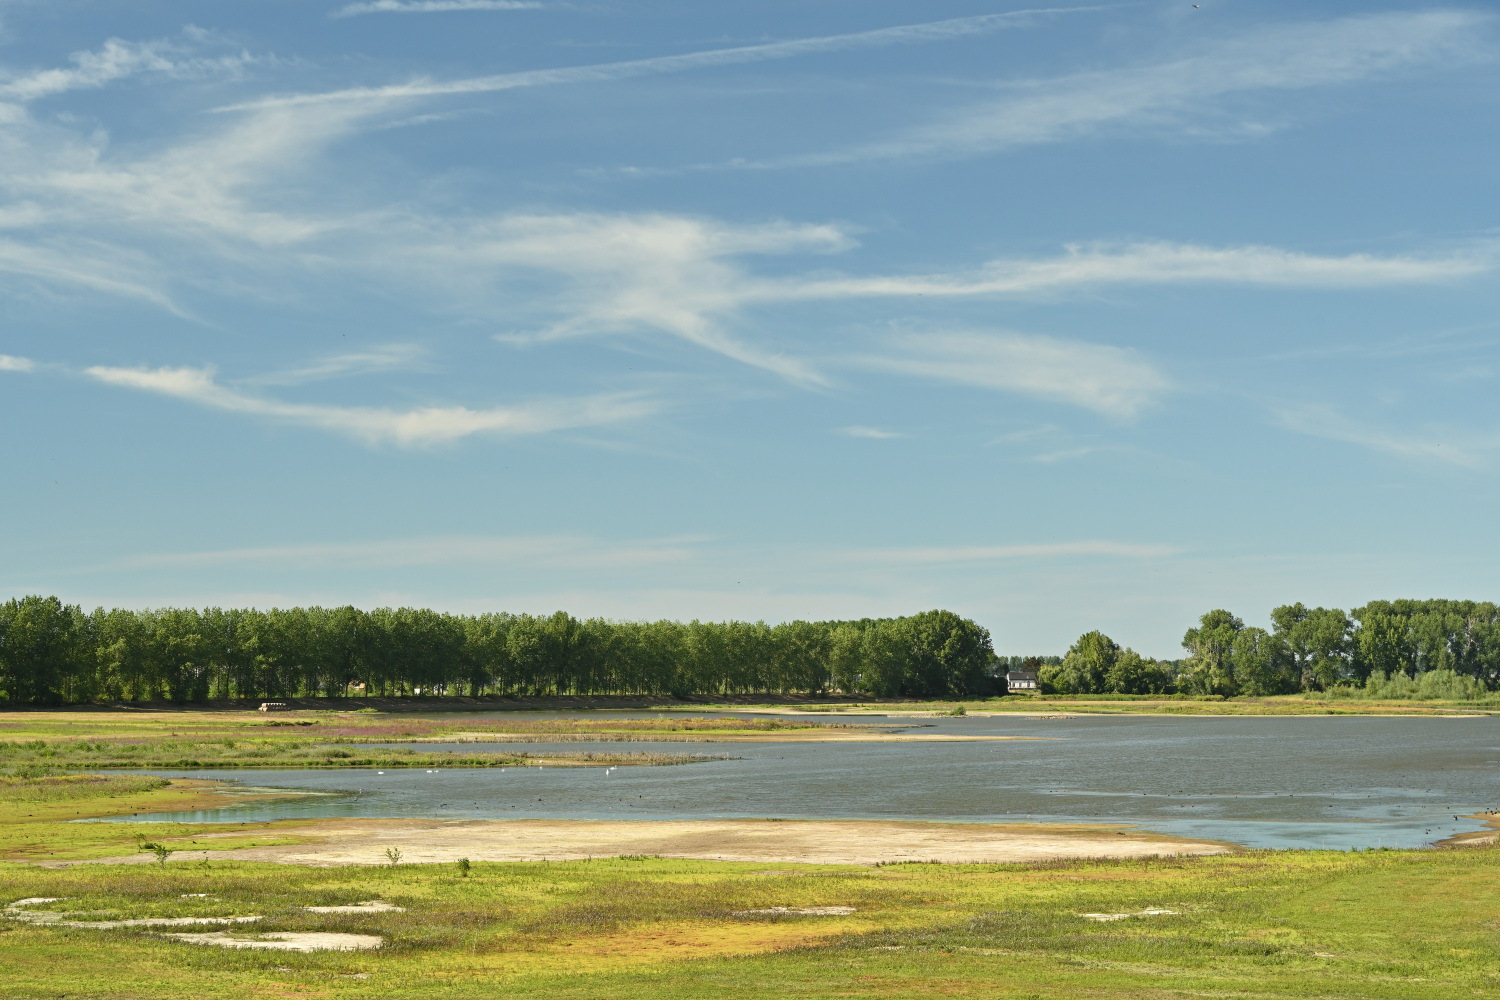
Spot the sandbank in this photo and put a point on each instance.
(1476, 838)
(859, 735)
(862, 842)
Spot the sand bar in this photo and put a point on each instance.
(852, 735)
(365, 841)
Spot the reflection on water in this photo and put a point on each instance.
(1261, 782)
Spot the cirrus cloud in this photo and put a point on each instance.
(377, 425)
(1113, 381)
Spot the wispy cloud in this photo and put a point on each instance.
(909, 34)
(1114, 381)
(386, 358)
(1179, 92)
(78, 213)
(1155, 264)
(430, 6)
(88, 264)
(373, 425)
(997, 553)
(668, 273)
(1468, 450)
(1063, 455)
(873, 433)
(118, 59)
(11, 363)
(552, 551)
(688, 277)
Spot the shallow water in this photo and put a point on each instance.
(1262, 782)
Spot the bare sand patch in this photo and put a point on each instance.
(1477, 837)
(800, 911)
(368, 906)
(286, 941)
(20, 910)
(866, 842)
(852, 735)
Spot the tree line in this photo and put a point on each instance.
(1406, 648)
(56, 653)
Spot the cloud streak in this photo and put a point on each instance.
(870, 433)
(997, 553)
(391, 357)
(617, 273)
(909, 34)
(118, 59)
(430, 7)
(1280, 58)
(552, 551)
(1113, 381)
(1155, 264)
(373, 425)
(1321, 421)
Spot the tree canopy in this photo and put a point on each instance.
(53, 653)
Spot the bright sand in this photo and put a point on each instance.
(365, 841)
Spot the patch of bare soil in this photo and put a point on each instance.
(285, 941)
(864, 842)
(1478, 837)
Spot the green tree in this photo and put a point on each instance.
(1258, 663)
(1315, 644)
(1210, 649)
(39, 642)
(1134, 674)
(1086, 666)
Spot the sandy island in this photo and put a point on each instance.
(851, 735)
(861, 842)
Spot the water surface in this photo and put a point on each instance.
(1341, 782)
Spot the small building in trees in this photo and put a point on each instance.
(1020, 680)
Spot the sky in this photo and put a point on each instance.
(1061, 317)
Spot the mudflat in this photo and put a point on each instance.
(865, 842)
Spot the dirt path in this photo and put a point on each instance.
(365, 841)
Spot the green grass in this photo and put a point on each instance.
(1372, 925)
(34, 743)
(417, 722)
(37, 814)
(1264, 925)
(41, 757)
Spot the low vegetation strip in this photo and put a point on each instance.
(40, 757)
(132, 725)
(35, 743)
(1397, 925)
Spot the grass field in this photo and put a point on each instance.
(41, 741)
(1303, 924)
(1378, 924)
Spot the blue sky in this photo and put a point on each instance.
(1065, 318)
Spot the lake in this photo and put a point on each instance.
(1311, 781)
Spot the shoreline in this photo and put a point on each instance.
(335, 842)
(799, 706)
(785, 736)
